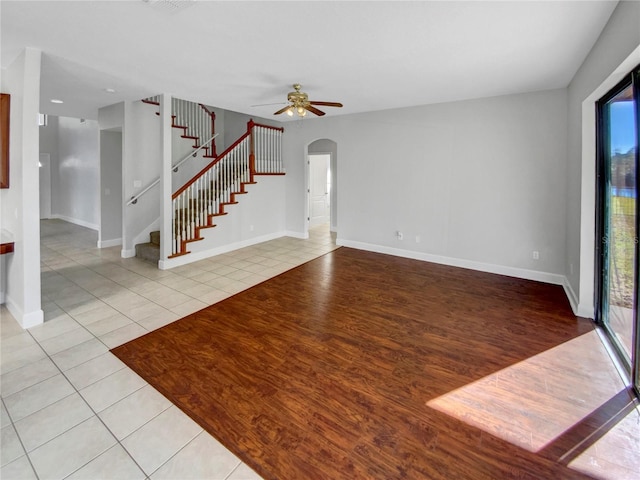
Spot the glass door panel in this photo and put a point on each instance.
(620, 221)
(617, 196)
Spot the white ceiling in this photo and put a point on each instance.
(367, 55)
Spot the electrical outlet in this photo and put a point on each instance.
(251, 228)
(399, 235)
(536, 255)
(417, 238)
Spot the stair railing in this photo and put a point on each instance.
(258, 151)
(133, 200)
(197, 120)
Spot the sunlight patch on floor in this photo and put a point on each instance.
(537, 403)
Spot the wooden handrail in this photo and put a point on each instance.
(250, 126)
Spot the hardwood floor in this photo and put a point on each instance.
(362, 365)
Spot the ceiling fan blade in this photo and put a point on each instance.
(282, 110)
(267, 104)
(327, 104)
(314, 110)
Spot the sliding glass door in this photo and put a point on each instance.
(617, 203)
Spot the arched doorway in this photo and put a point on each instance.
(322, 182)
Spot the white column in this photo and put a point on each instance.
(21, 201)
(165, 180)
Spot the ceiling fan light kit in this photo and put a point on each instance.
(299, 103)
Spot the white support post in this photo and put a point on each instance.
(166, 227)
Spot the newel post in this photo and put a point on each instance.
(252, 155)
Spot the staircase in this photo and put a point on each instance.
(196, 121)
(150, 251)
(221, 183)
(206, 196)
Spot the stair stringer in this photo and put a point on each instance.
(262, 207)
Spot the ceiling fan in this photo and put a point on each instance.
(299, 103)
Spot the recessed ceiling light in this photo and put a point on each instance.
(110, 90)
(55, 100)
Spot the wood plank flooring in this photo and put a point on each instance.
(344, 368)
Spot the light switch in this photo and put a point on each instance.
(137, 183)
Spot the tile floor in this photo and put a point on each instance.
(70, 409)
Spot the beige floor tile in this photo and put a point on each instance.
(238, 275)
(83, 307)
(80, 445)
(17, 342)
(243, 472)
(158, 321)
(115, 463)
(109, 324)
(67, 340)
(122, 335)
(31, 399)
(8, 325)
(214, 296)
(234, 287)
(27, 376)
(79, 354)
(172, 300)
(240, 264)
(224, 269)
(99, 313)
(132, 412)
(254, 279)
(53, 328)
(4, 417)
(201, 277)
(157, 441)
(188, 307)
(94, 370)
(112, 389)
(46, 424)
(203, 457)
(144, 311)
(19, 469)
(11, 447)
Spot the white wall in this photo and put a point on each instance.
(480, 182)
(110, 188)
(75, 180)
(20, 202)
(142, 163)
(111, 123)
(603, 66)
(258, 216)
(49, 140)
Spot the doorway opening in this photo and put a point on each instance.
(322, 196)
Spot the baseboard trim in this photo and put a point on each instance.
(523, 273)
(300, 235)
(76, 221)
(25, 320)
(116, 242)
(124, 253)
(195, 256)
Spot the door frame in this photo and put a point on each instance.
(602, 140)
